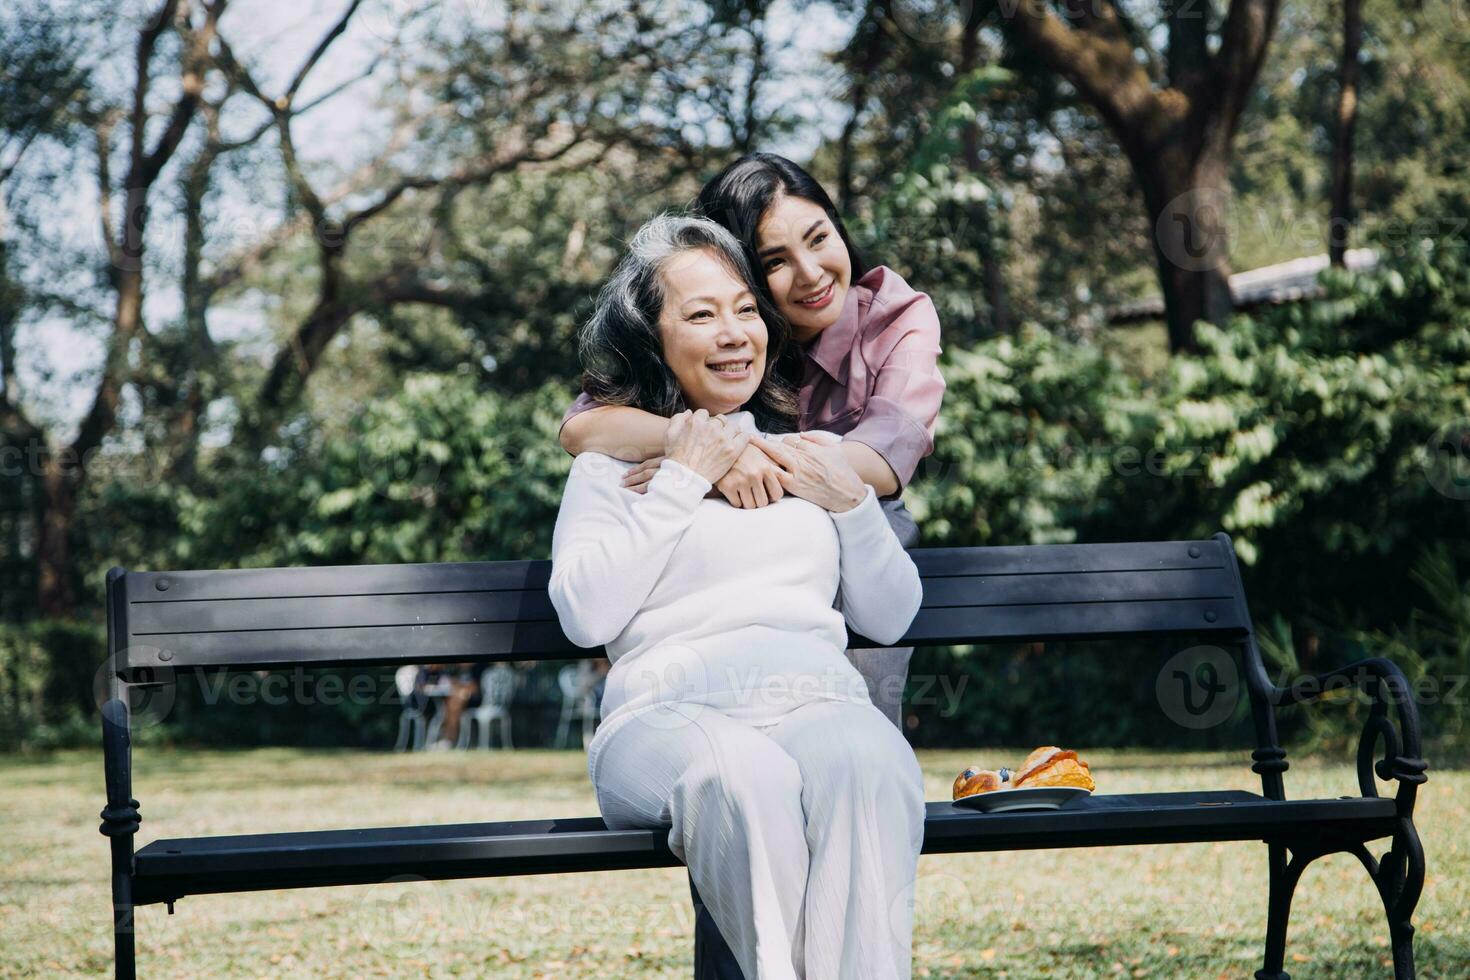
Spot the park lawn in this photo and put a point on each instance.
(1181, 911)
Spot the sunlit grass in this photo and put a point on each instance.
(1177, 911)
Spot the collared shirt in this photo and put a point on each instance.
(873, 376)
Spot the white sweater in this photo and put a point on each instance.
(697, 600)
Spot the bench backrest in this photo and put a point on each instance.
(487, 611)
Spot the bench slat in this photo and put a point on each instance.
(1071, 558)
(333, 580)
(157, 619)
(170, 869)
(409, 643)
(340, 612)
(1061, 587)
(1061, 621)
(487, 611)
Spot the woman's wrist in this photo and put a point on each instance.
(680, 476)
(849, 499)
(703, 466)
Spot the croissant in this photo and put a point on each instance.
(1052, 766)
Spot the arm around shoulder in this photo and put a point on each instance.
(619, 431)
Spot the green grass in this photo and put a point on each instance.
(1193, 910)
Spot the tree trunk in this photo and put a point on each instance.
(1188, 204)
(55, 597)
(1177, 138)
(1341, 217)
(991, 257)
(866, 66)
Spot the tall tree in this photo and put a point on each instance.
(527, 95)
(1341, 216)
(63, 470)
(41, 80)
(1174, 116)
(986, 232)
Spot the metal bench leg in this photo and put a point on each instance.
(713, 959)
(1284, 876)
(1400, 880)
(120, 823)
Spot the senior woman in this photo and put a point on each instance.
(731, 714)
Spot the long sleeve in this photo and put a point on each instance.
(879, 592)
(900, 414)
(610, 545)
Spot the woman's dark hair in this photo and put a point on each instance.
(620, 345)
(739, 196)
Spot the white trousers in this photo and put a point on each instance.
(801, 831)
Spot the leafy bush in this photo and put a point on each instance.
(47, 670)
(1309, 433)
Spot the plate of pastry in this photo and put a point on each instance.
(1048, 779)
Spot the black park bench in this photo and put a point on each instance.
(162, 623)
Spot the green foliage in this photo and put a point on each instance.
(47, 670)
(441, 471)
(1305, 433)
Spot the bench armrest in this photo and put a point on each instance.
(1386, 684)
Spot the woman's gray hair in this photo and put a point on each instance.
(620, 344)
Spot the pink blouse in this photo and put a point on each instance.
(873, 376)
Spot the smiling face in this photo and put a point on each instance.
(806, 264)
(714, 339)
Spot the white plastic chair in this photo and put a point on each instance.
(497, 687)
(413, 720)
(578, 683)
